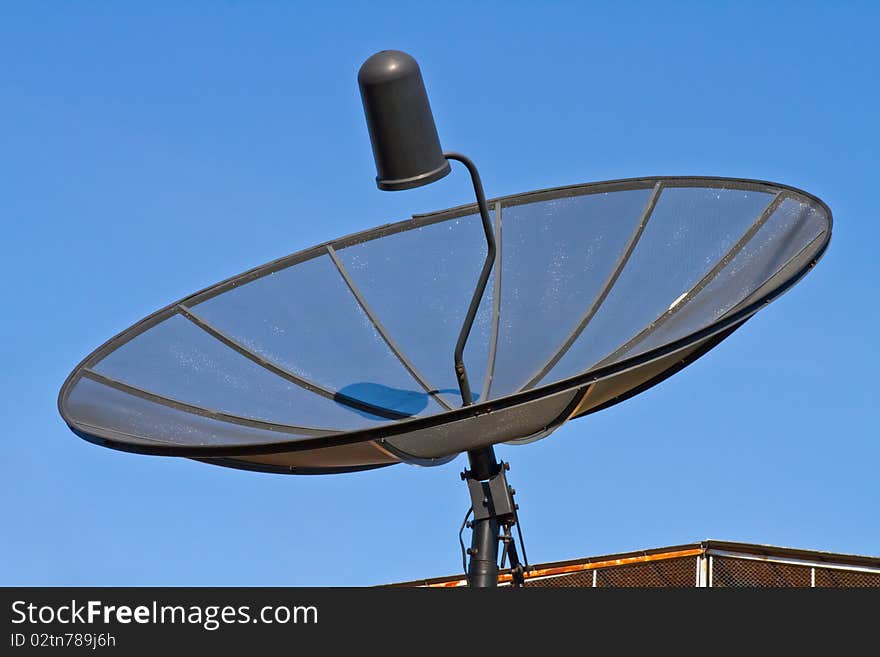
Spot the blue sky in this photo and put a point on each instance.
(148, 150)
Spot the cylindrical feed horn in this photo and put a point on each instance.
(405, 142)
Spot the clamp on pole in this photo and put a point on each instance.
(494, 512)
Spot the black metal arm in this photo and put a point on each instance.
(460, 372)
(491, 497)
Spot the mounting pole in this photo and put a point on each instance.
(494, 509)
(483, 563)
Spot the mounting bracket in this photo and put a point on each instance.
(494, 510)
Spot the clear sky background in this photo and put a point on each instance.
(150, 149)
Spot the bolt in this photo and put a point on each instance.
(472, 551)
(512, 490)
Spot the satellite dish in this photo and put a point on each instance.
(340, 357)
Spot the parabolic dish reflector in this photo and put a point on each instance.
(339, 357)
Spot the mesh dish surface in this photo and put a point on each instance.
(598, 292)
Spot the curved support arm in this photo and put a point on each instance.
(460, 372)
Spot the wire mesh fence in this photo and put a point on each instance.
(750, 573)
(720, 571)
(660, 573)
(827, 577)
(668, 573)
(708, 564)
(577, 580)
